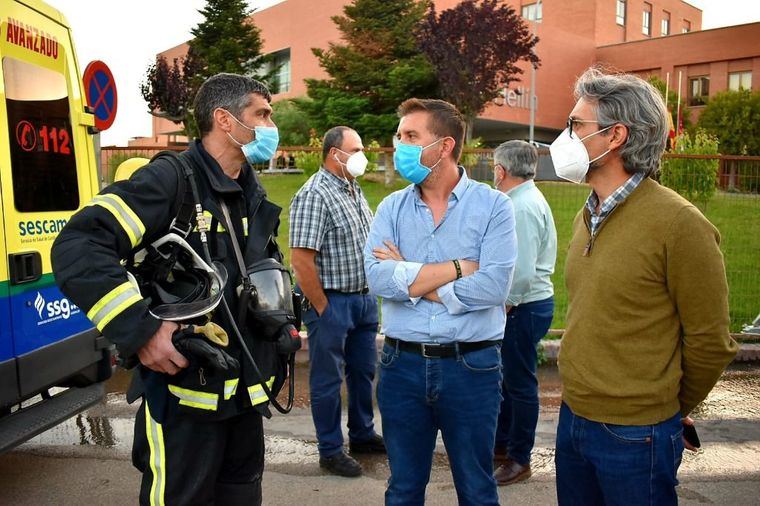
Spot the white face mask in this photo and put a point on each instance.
(570, 157)
(356, 163)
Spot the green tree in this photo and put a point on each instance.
(292, 122)
(734, 118)
(225, 41)
(375, 67)
(694, 179)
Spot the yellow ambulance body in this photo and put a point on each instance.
(47, 173)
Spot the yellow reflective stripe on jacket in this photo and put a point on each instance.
(219, 227)
(112, 304)
(230, 387)
(257, 394)
(155, 435)
(127, 218)
(195, 399)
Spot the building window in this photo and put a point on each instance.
(533, 12)
(620, 12)
(280, 66)
(686, 26)
(740, 81)
(646, 24)
(665, 24)
(699, 89)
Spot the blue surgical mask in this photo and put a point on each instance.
(262, 148)
(407, 158)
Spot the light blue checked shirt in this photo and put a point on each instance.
(610, 202)
(479, 225)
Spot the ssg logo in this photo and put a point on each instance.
(55, 310)
(39, 304)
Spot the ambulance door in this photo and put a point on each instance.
(8, 379)
(41, 187)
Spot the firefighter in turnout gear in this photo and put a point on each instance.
(198, 432)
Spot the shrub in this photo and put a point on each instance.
(372, 156)
(733, 117)
(310, 161)
(118, 158)
(694, 179)
(470, 160)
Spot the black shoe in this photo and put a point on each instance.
(375, 444)
(342, 465)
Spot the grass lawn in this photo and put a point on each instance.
(736, 216)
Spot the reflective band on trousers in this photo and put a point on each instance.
(155, 435)
(256, 392)
(127, 218)
(195, 399)
(230, 387)
(112, 304)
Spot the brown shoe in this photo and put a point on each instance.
(511, 472)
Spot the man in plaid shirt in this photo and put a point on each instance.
(329, 223)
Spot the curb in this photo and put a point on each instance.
(748, 352)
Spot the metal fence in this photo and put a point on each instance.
(734, 209)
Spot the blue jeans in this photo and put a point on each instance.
(526, 325)
(342, 341)
(459, 396)
(601, 463)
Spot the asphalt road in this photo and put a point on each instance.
(86, 460)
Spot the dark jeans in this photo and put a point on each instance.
(342, 341)
(605, 464)
(459, 396)
(526, 325)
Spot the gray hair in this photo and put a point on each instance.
(333, 139)
(231, 92)
(518, 158)
(633, 102)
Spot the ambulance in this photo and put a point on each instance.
(52, 361)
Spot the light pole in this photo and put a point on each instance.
(533, 77)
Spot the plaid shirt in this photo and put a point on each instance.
(326, 216)
(610, 202)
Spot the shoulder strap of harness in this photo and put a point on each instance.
(182, 224)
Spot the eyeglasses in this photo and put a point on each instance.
(571, 121)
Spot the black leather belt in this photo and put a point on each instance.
(363, 291)
(432, 350)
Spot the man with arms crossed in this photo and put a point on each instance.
(530, 308)
(440, 253)
(647, 326)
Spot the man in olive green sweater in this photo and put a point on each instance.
(647, 324)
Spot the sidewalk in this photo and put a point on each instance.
(86, 460)
(748, 351)
(725, 472)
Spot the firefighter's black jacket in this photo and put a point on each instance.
(88, 256)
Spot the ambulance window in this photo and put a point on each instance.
(43, 165)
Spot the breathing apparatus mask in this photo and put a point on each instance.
(267, 306)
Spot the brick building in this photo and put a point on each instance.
(653, 37)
